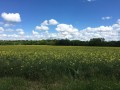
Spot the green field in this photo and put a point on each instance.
(59, 68)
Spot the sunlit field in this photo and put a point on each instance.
(59, 68)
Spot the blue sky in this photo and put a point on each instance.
(72, 19)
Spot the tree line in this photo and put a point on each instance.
(62, 42)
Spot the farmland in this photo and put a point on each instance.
(59, 68)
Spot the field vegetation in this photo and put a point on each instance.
(59, 68)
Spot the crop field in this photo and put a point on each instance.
(59, 68)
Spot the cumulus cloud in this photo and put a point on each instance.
(11, 17)
(99, 32)
(53, 22)
(66, 28)
(106, 18)
(9, 30)
(49, 22)
(20, 31)
(42, 27)
(12, 37)
(8, 24)
(11, 34)
(67, 31)
(108, 32)
(35, 33)
(64, 31)
(118, 21)
(1, 29)
(45, 23)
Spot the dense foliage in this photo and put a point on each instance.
(62, 42)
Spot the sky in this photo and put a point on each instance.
(59, 19)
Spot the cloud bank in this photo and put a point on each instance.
(61, 30)
(69, 31)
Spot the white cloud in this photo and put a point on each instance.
(10, 34)
(42, 27)
(9, 30)
(1, 29)
(106, 18)
(35, 33)
(11, 17)
(53, 22)
(118, 21)
(99, 32)
(15, 37)
(108, 32)
(49, 22)
(45, 23)
(64, 31)
(66, 28)
(69, 31)
(90, 0)
(8, 25)
(20, 31)
(99, 29)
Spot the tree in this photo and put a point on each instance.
(97, 42)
